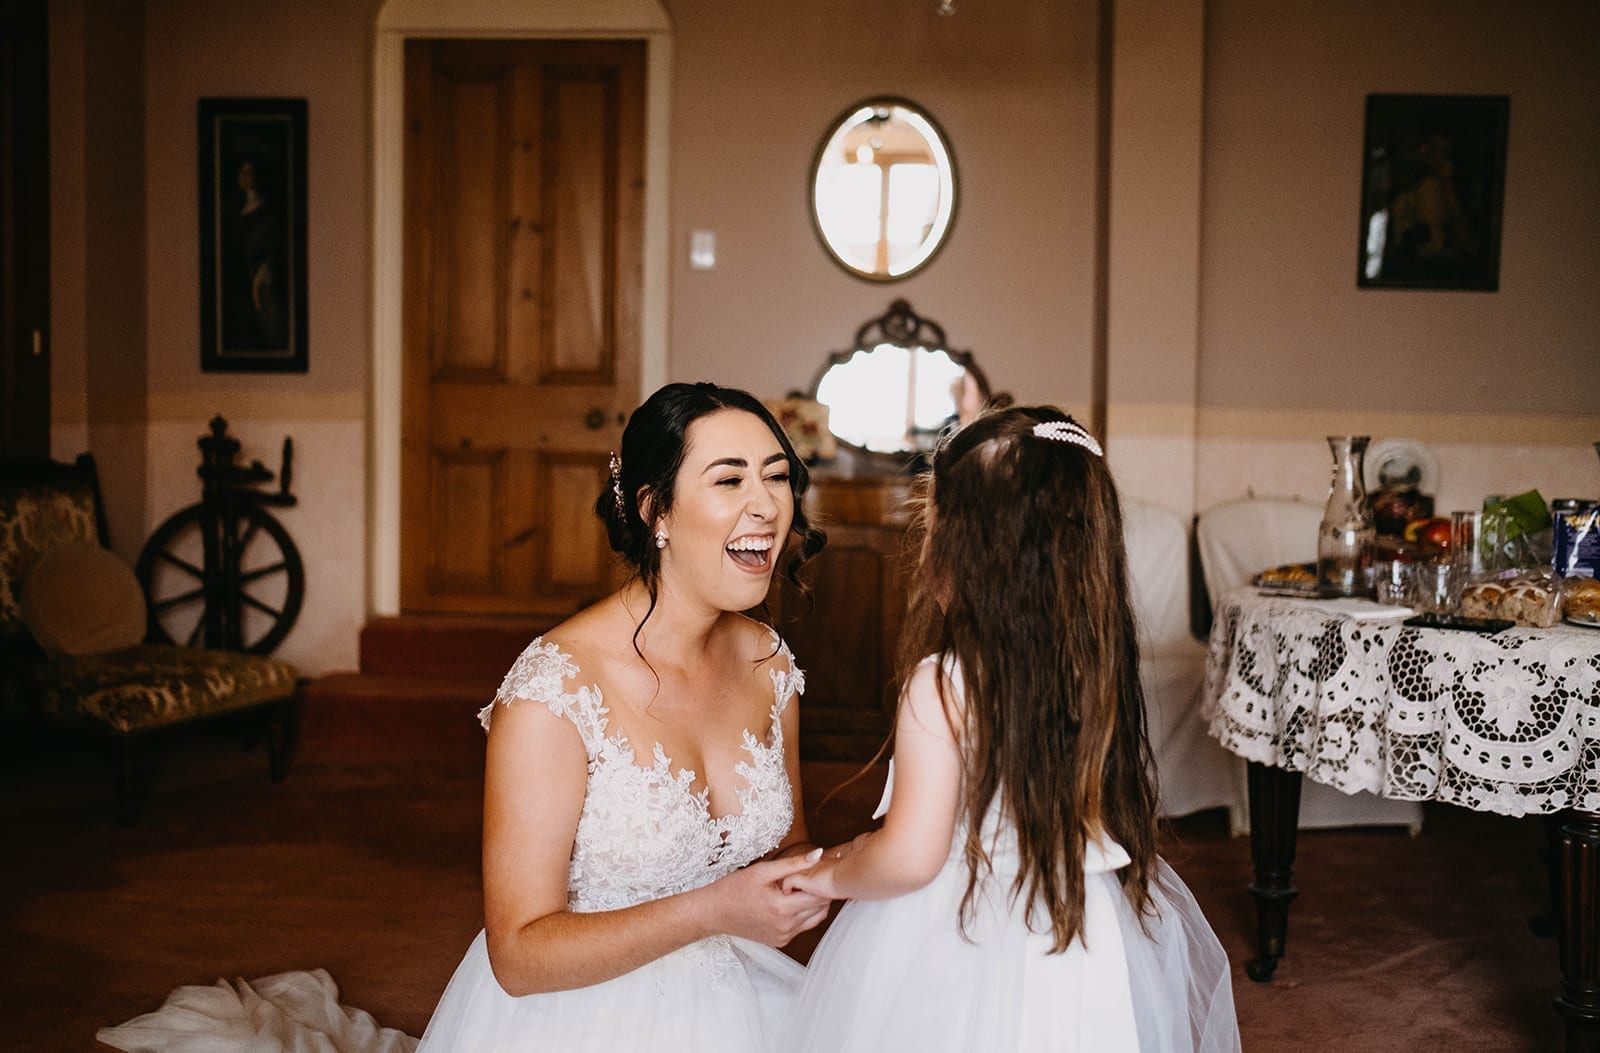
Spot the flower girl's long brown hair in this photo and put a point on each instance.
(1024, 581)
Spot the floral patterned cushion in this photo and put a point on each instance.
(35, 519)
(150, 687)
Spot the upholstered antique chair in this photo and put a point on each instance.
(72, 623)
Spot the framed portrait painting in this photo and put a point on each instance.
(1432, 187)
(253, 235)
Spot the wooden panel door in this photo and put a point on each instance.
(524, 187)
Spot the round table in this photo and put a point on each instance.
(1345, 693)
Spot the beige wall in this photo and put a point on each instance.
(1499, 385)
(755, 87)
(97, 217)
(304, 48)
(1153, 292)
(319, 52)
(1235, 162)
(1283, 322)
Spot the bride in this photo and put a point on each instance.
(642, 792)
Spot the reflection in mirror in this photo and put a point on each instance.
(900, 387)
(883, 189)
(890, 398)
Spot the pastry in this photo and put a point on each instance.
(1531, 601)
(1581, 599)
(1288, 574)
(1482, 600)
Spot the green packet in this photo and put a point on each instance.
(1526, 513)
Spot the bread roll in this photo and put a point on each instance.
(1582, 599)
(1531, 602)
(1482, 600)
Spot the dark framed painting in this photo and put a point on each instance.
(253, 235)
(1432, 187)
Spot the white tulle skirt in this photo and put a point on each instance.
(719, 995)
(898, 976)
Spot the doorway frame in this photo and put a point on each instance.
(402, 20)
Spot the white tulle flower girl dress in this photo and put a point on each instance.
(899, 975)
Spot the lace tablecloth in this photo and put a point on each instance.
(1506, 723)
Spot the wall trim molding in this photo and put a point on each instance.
(1146, 420)
(1531, 429)
(201, 404)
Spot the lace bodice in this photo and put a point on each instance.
(644, 832)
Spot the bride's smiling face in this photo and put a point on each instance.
(732, 505)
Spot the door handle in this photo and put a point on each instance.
(595, 419)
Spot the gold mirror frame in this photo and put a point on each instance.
(895, 134)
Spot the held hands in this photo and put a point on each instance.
(757, 905)
(820, 879)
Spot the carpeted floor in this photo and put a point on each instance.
(365, 863)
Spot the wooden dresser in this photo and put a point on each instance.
(846, 640)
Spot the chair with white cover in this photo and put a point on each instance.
(1237, 539)
(1193, 770)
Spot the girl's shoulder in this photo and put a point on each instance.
(935, 694)
(941, 672)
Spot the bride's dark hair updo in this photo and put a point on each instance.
(653, 446)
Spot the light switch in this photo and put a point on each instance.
(702, 250)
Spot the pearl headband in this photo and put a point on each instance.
(1067, 431)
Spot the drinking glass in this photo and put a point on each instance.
(1433, 588)
(1392, 581)
(1477, 545)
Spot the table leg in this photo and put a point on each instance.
(1274, 821)
(1577, 911)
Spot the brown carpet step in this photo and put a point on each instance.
(358, 716)
(455, 646)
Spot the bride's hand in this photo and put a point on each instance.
(752, 903)
(818, 880)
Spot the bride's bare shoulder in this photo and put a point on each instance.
(755, 641)
(594, 635)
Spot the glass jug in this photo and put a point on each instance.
(1344, 539)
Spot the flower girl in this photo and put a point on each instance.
(1013, 898)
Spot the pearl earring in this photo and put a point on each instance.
(661, 538)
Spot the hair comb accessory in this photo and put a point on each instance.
(616, 486)
(1068, 431)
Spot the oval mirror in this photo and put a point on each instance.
(900, 387)
(883, 189)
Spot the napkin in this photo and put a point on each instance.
(1363, 610)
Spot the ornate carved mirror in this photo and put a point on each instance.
(900, 386)
(883, 189)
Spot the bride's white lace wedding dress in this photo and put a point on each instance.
(643, 833)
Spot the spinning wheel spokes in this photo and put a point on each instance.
(250, 595)
(182, 564)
